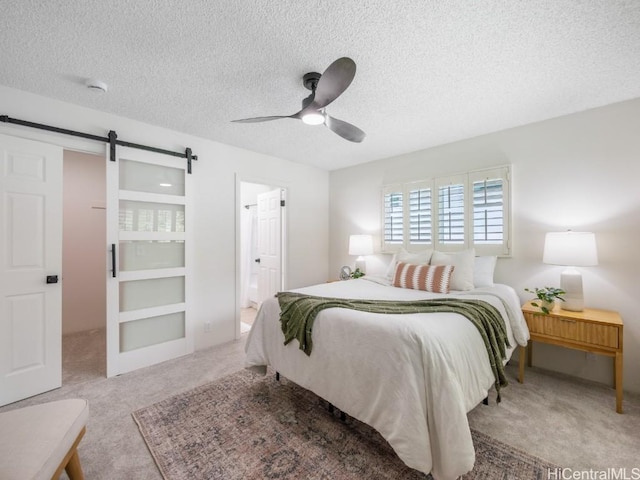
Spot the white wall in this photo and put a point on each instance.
(84, 231)
(580, 171)
(216, 174)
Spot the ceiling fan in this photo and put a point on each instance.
(325, 88)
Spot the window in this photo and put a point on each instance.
(414, 201)
(420, 215)
(450, 213)
(393, 217)
(488, 211)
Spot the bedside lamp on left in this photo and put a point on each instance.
(361, 245)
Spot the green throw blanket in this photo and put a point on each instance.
(298, 312)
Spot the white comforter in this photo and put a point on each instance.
(412, 377)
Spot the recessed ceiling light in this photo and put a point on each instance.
(96, 85)
(165, 185)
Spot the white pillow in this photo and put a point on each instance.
(462, 278)
(483, 271)
(415, 258)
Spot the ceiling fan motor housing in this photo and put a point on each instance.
(310, 80)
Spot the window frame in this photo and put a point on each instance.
(467, 179)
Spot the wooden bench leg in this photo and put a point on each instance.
(73, 468)
(71, 461)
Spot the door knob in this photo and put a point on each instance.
(52, 278)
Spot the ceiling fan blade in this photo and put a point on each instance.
(333, 82)
(263, 119)
(344, 129)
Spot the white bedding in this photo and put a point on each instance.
(412, 377)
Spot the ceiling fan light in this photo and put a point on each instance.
(313, 118)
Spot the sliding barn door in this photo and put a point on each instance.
(148, 251)
(30, 268)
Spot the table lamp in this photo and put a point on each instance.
(571, 249)
(361, 245)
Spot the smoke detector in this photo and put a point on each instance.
(96, 85)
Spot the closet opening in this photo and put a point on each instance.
(84, 268)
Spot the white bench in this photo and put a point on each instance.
(38, 442)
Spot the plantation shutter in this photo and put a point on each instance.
(420, 205)
(451, 210)
(488, 220)
(393, 212)
(490, 193)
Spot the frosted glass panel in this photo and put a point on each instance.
(150, 255)
(151, 293)
(150, 217)
(144, 177)
(151, 331)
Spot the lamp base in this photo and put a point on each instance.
(361, 264)
(571, 283)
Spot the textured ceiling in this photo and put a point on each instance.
(428, 72)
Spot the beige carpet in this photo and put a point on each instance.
(244, 426)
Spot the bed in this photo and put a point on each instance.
(412, 377)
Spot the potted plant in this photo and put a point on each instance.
(357, 273)
(547, 297)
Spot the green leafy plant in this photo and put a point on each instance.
(546, 295)
(357, 273)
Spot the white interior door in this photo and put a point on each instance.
(149, 243)
(270, 243)
(31, 249)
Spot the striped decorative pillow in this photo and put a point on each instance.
(431, 278)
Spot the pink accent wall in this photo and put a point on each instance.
(84, 249)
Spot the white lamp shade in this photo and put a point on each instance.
(360, 245)
(577, 249)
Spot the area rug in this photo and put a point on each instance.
(246, 426)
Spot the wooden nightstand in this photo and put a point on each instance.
(595, 331)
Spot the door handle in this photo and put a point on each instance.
(113, 260)
(257, 260)
(52, 278)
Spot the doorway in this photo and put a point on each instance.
(261, 253)
(83, 268)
